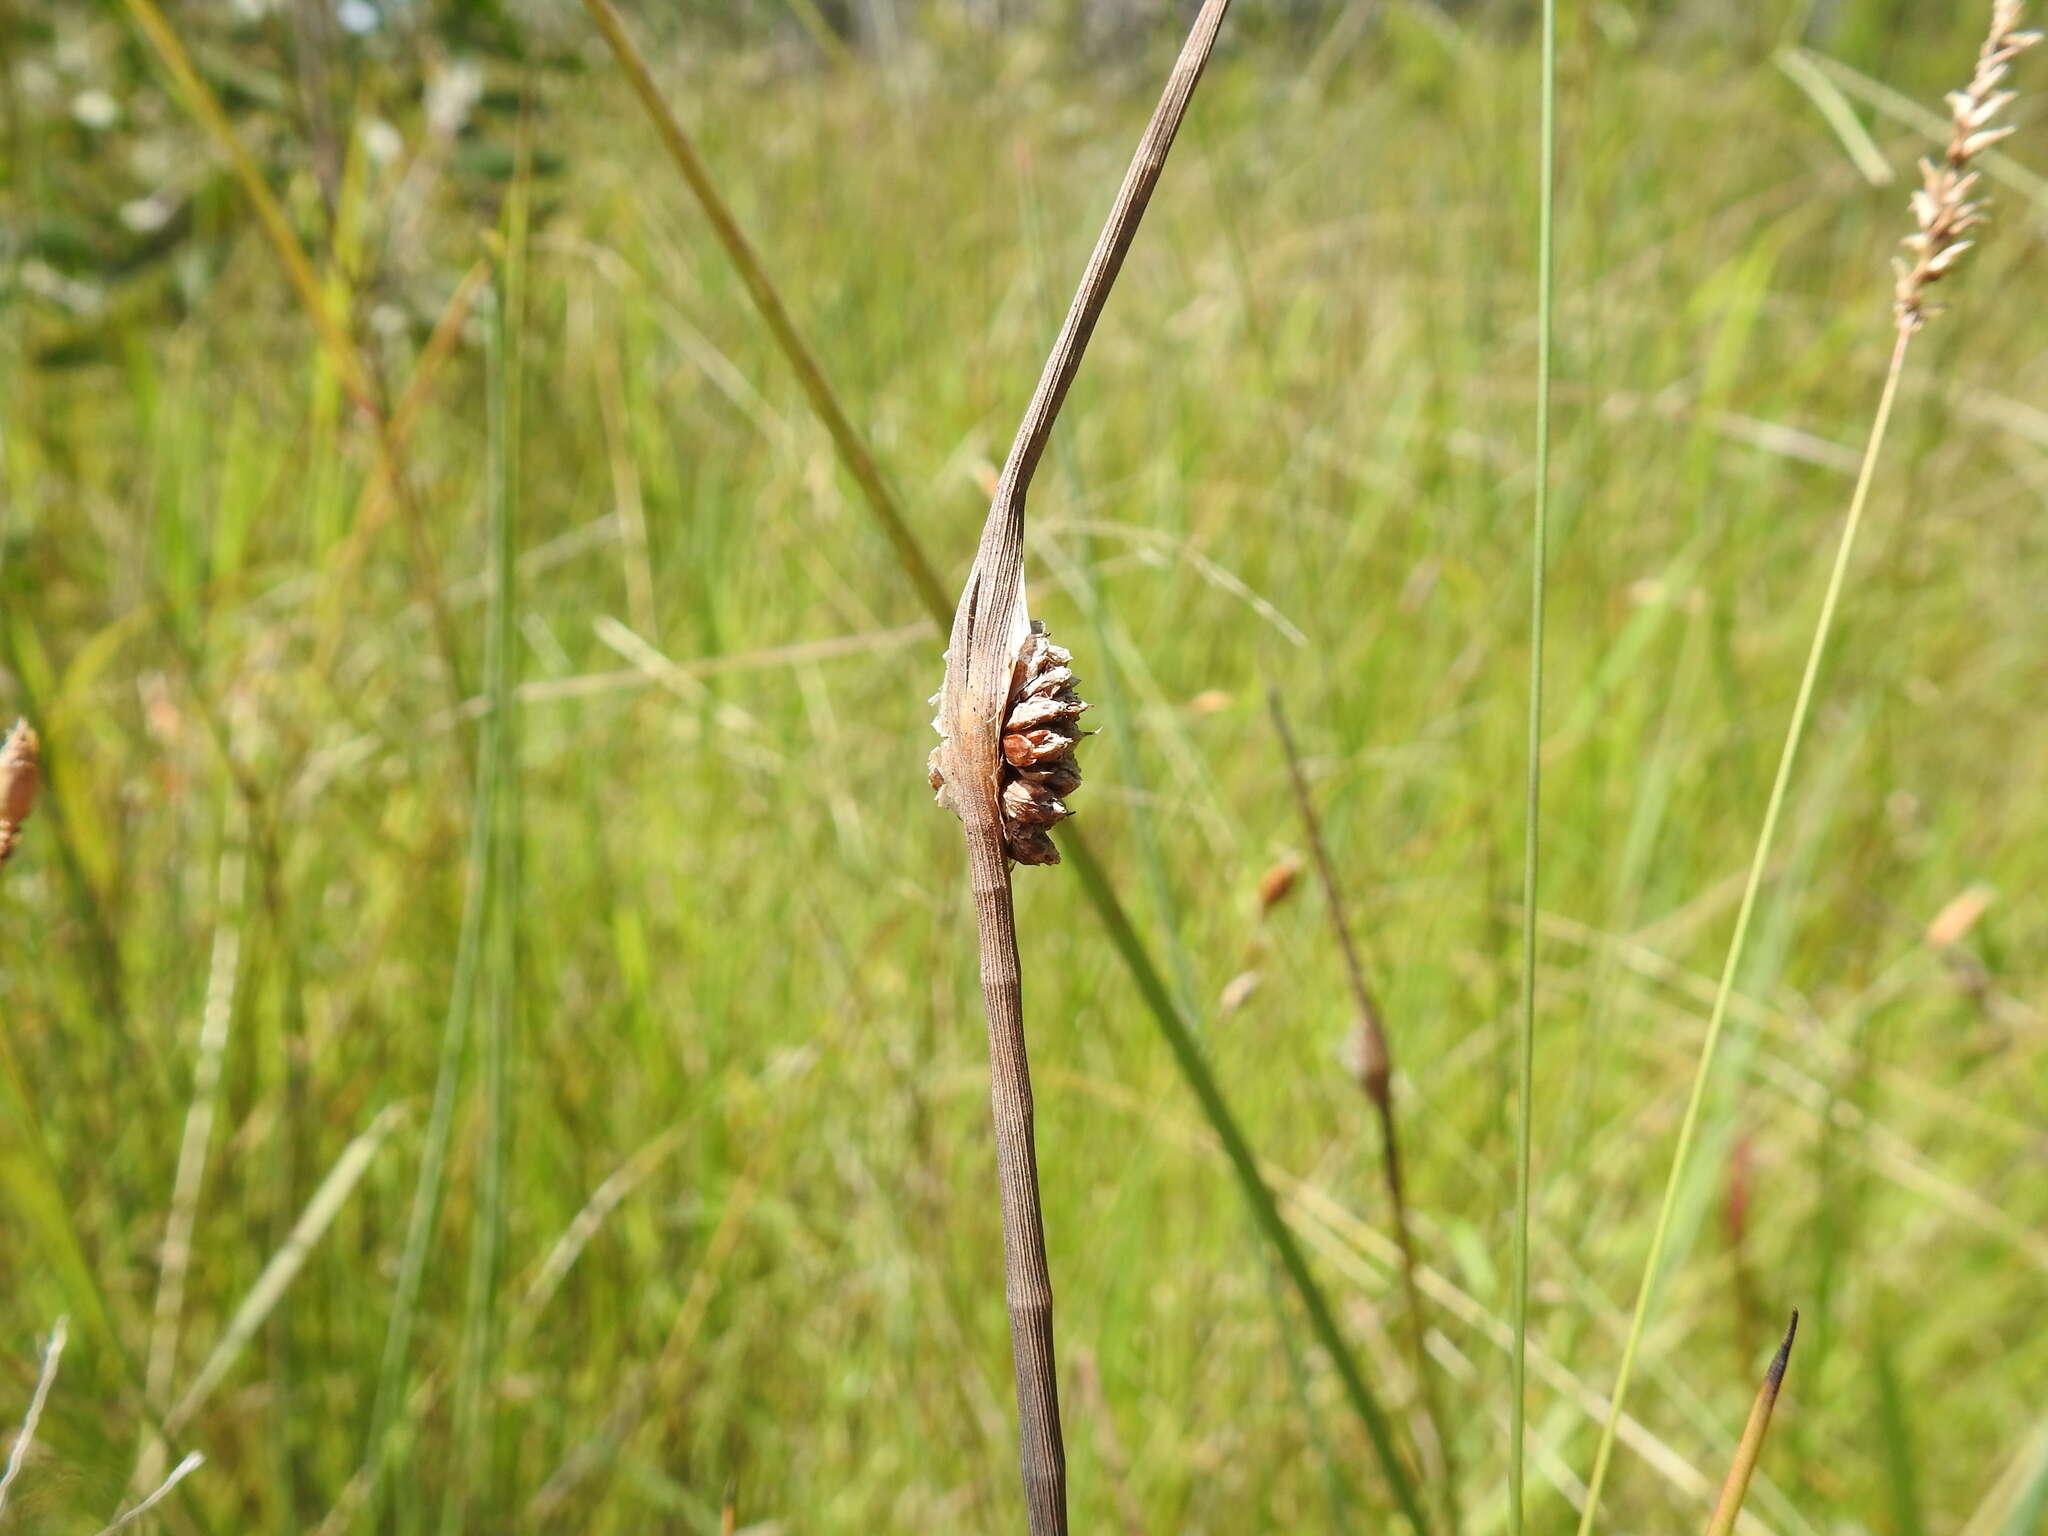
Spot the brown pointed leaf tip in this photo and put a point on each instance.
(1040, 732)
(1775, 1377)
(20, 775)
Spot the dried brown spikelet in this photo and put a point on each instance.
(1040, 731)
(1944, 210)
(20, 776)
(1277, 883)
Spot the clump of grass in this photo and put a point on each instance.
(1944, 211)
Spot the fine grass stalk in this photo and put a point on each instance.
(1943, 213)
(1539, 540)
(215, 1021)
(1187, 1053)
(853, 449)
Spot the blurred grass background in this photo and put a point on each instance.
(735, 988)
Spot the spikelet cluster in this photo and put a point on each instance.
(1945, 209)
(20, 776)
(1040, 731)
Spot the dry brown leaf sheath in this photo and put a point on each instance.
(989, 675)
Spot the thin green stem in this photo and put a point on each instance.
(473, 1417)
(487, 856)
(1689, 1127)
(1525, 1044)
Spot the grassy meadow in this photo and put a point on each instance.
(640, 867)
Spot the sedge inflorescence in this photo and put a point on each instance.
(1946, 209)
(1040, 731)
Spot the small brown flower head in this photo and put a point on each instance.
(1944, 209)
(20, 776)
(1039, 736)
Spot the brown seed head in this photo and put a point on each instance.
(20, 777)
(1277, 883)
(1945, 209)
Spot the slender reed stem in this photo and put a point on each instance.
(1539, 553)
(1759, 862)
(216, 1019)
(1376, 1075)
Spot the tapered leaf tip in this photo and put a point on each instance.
(1776, 1377)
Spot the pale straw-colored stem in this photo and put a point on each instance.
(1532, 794)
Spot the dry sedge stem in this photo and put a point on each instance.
(20, 777)
(1944, 209)
(1733, 1490)
(1006, 711)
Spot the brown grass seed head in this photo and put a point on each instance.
(1944, 210)
(1040, 732)
(20, 776)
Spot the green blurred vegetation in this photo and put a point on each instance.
(721, 936)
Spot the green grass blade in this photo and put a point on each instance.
(497, 1019)
(2030, 1510)
(1901, 1463)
